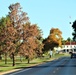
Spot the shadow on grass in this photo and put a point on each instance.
(4, 65)
(32, 67)
(1, 70)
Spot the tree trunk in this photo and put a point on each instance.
(5, 58)
(28, 60)
(0, 57)
(20, 58)
(13, 58)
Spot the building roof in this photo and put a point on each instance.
(70, 43)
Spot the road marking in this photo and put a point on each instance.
(20, 71)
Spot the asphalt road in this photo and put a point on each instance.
(62, 66)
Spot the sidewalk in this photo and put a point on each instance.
(2, 73)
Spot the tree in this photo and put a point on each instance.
(18, 35)
(3, 35)
(69, 39)
(74, 28)
(2, 25)
(53, 40)
(63, 41)
(29, 47)
(15, 29)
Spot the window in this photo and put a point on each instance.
(71, 46)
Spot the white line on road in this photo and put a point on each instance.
(20, 71)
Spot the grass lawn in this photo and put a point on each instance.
(6, 67)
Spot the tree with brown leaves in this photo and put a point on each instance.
(4, 21)
(30, 44)
(18, 35)
(18, 19)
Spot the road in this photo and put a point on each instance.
(61, 66)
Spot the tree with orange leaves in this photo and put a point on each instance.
(53, 40)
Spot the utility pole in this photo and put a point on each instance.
(70, 38)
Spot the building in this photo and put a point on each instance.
(69, 47)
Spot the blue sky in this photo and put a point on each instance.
(46, 13)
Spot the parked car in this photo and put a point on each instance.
(73, 55)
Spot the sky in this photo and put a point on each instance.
(46, 14)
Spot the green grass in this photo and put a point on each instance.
(6, 67)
